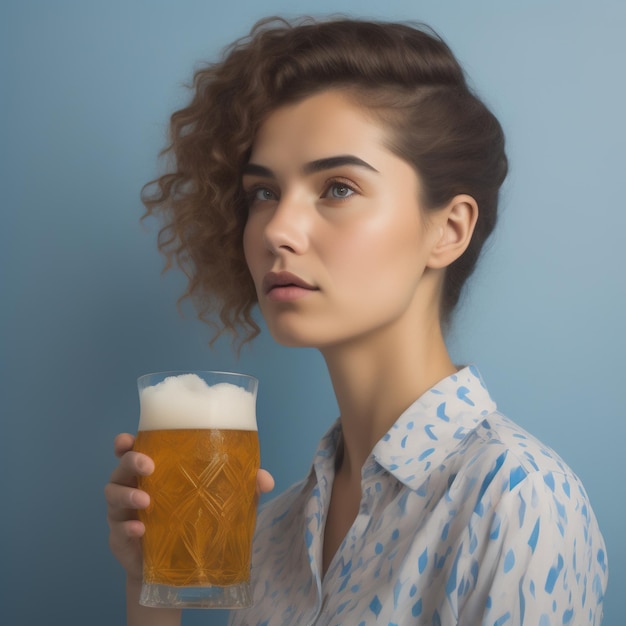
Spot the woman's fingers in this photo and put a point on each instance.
(125, 544)
(123, 443)
(132, 464)
(123, 502)
(121, 493)
(126, 533)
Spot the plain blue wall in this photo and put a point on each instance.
(85, 92)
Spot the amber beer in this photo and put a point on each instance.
(202, 437)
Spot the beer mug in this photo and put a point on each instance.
(200, 429)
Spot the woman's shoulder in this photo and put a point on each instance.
(531, 508)
(498, 441)
(507, 473)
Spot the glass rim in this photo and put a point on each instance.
(190, 371)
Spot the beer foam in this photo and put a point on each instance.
(186, 401)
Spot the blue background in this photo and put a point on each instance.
(85, 92)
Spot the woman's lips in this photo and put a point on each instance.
(285, 287)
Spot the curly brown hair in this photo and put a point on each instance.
(404, 74)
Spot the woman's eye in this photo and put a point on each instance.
(261, 194)
(339, 191)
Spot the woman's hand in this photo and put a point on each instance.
(124, 500)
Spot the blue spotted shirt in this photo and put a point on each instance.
(464, 519)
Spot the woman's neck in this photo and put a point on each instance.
(378, 377)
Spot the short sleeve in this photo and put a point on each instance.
(544, 562)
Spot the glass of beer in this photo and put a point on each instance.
(200, 429)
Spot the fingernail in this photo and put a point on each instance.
(137, 499)
(143, 466)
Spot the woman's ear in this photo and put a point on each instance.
(454, 225)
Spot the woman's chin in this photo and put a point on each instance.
(291, 339)
(298, 335)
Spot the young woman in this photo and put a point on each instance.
(342, 176)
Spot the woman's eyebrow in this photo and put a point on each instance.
(336, 161)
(254, 169)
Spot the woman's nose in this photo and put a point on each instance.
(287, 230)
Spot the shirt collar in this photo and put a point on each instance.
(425, 434)
(324, 460)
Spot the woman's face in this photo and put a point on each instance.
(336, 241)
